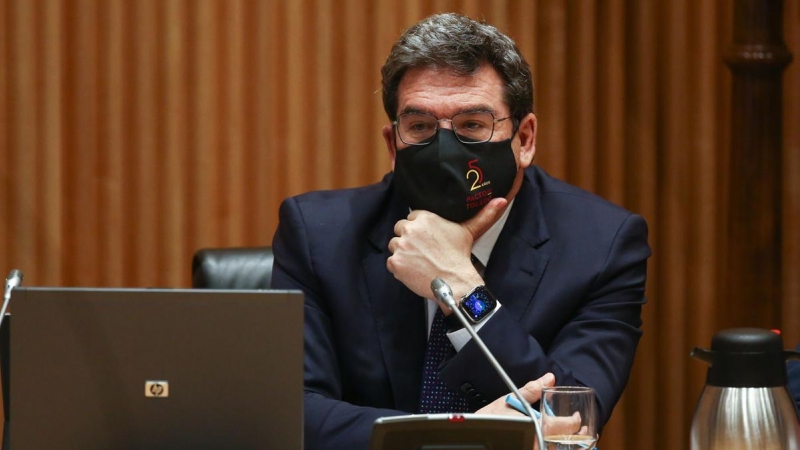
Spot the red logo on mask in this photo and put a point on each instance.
(478, 199)
(477, 173)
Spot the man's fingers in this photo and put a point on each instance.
(532, 391)
(485, 217)
(563, 424)
(398, 227)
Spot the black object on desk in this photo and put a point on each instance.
(453, 431)
(156, 369)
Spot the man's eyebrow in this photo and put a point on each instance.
(471, 109)
(479, 108)
(414, 110)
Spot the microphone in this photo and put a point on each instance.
(13, 280)
(444, 294)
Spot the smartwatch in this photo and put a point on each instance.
(477, 304)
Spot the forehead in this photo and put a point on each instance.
(443, 93)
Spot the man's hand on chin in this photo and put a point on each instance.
(427, 246)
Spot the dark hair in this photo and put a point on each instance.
(457, 43)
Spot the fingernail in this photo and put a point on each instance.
(548, 379)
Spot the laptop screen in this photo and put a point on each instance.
(150, 368)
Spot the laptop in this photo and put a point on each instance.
(156, 369)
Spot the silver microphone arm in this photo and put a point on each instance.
(14, 279)
(444, 294)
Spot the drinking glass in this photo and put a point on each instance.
(569, 418)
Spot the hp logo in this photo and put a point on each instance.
(156, 389)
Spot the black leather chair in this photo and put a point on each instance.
(232, 268)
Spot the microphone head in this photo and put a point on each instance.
(436, 284)
(14, 279)
(442, 292)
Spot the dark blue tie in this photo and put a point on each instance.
(435, 396)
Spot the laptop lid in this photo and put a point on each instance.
(156, 369)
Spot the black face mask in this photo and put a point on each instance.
(452, 179)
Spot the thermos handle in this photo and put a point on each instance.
(706, 355)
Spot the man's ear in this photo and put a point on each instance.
(388, 136)
(527, 140)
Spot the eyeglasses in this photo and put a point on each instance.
(469, 127)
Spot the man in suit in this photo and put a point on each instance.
(561, 294)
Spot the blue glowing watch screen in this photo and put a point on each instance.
(478, 304)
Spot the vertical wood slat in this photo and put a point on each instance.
(641, 141)
(110, 144)
(199, 95)
(611, 179)
(387, 28)
(328, 113)
(175, 149)
(790, 323)
(51, 210)
(236, 175)
(266, 180)
(6, 185)
(673, 233)
(608, 165)
(550, 97)
(581, 103)
(356, 90)
(22, 136)
(702, 292)
(295, 113)
(147, 119)
(276, 112)
(80, 172)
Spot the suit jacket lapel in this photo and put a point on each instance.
(517, 262)
(399, 313)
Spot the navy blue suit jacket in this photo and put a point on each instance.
(568, 267)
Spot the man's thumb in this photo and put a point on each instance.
(486, 217)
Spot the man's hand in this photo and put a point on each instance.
(427, 246)
(532, 392)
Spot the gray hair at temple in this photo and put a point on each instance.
(457, 43)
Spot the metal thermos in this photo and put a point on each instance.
(745, 404)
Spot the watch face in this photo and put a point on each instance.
(478, 304)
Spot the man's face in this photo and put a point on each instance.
(444, 94)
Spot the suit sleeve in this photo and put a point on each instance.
(793, 371)
(594, 348)
(330, 423)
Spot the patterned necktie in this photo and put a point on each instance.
(437, 397)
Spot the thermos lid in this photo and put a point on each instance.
(746, 357)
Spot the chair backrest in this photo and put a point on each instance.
(232, 268)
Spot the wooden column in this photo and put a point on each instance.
(751, 281)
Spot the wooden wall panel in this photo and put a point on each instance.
(133, 133)
(791, 196)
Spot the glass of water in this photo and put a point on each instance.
(569, 418)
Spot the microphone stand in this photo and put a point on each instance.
(443, 292)
(14, 279)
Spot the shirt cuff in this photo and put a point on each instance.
(459, 338)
